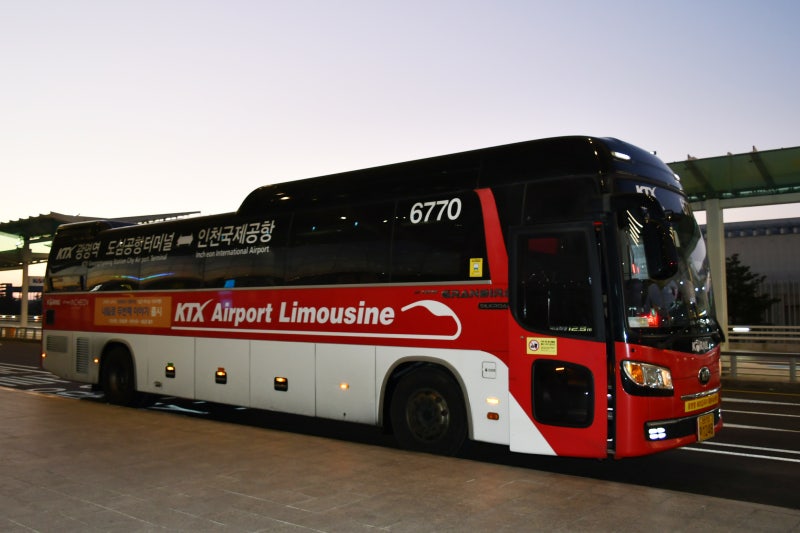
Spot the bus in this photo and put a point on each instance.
(553, 296)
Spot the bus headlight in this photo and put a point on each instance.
(646, 379)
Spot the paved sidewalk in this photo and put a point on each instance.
(71, 465)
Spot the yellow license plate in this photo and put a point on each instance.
(705, 426)
(701, 403)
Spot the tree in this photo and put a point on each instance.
(745, 305)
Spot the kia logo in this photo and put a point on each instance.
(704, 376)
(701, 345)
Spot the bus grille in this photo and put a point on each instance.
(82, 355)
(57, 343)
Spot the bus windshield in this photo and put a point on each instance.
(683, 300)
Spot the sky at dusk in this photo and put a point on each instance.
(119, 108)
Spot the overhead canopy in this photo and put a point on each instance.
(742, 176)
(33, 229)
(13, 259)
(741, 180)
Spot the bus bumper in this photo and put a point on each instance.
(702, 426)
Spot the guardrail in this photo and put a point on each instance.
(763, 353)
(764, 334)
(21, 334)
(16, 318)
(760, 366)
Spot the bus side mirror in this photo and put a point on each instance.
(659, 250)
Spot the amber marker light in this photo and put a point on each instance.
(281, 384)
(344, 386)
(493, 401)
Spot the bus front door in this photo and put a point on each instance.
(558, 363)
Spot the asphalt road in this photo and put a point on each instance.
(755, 458)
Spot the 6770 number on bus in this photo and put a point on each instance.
(421, 212)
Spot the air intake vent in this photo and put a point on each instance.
(57, 343)
(82, 355)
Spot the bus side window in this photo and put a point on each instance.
(105, 276)
(436, 238)
(263, 265)
(555, 199)
(181, 271)
(554, 283)
(341, 245)
(65, 280)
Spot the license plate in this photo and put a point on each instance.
(705, 426)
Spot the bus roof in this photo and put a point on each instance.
(486, 167)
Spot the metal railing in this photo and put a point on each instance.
(762, 353)
(17, 318)
(21, 334)
(11, 327)
(783, 335)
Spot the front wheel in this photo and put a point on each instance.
(118, 377)
(428, 412)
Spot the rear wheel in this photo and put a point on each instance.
(428, 412)
(118, 377)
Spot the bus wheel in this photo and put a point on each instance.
(428, 412)
(118, 378)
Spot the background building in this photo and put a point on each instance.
(771, 248)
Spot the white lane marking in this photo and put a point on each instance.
(762, 428)
(763, 402)
(744, 446)
(738, 454)
(760, 413)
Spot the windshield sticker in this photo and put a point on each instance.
(476, 267)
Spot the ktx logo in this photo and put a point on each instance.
(65, 253)
(649, 191)
(190, 311)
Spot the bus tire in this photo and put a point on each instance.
(428, 412)
(118, 377)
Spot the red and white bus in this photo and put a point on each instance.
(553, 296)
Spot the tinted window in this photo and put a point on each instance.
(559, 199)
(439, 239)
(72, 250)
(554, 283)
(340, 245)
(435, 238)
(181, 271)
(254, 255)
(113, 274)
(562, 393)
(66, 278)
